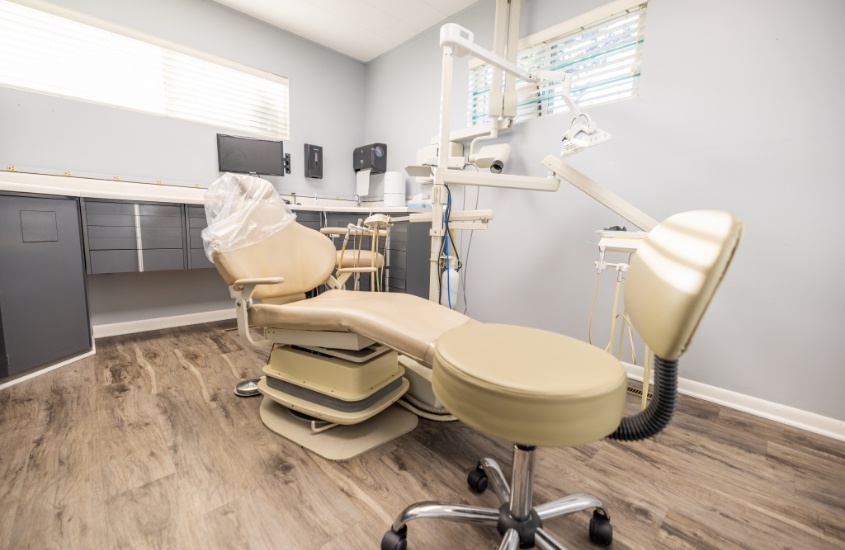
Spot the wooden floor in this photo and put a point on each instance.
(145, 446)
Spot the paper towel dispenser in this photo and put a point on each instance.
(371, 157)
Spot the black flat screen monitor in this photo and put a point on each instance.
(247, 155)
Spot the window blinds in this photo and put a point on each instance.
(46, 53)
(603, 56)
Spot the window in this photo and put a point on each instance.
(602, 49)
(52, 54)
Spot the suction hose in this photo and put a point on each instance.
(659, 410)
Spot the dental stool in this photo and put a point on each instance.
(529, 386)
(537, 388)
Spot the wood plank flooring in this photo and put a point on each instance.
(144, 445)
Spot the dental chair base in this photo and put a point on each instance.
(340, 390)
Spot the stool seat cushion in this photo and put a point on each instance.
(529, 386)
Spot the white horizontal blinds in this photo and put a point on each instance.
(46, 53)
(604, 58)
(202, 91)
(480, 81)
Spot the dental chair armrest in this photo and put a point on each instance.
(242, 291)
(240, 283)
(244, 288)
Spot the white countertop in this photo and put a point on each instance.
(90, 188)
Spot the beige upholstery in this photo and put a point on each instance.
(359, 258)
(529, 386)
(406, 323)
(538, 388)
(674, 275)
(304, 257)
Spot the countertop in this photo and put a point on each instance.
(68, 186)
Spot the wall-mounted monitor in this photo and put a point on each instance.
(246, 155)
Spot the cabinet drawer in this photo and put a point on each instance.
(112, 220)
(160, 221)
(396, 272)
(396, 285)
(114, 261)
(195, 238)
(163, 259)
(197, 223)
(400, 230)
(396, 258)
(303, 217)
(161, 237)
(394, 244)
(106, 207)
(106, 232)
(162, 242)
(113, 243)
(196, 212)
(170, 210)
(198, 259)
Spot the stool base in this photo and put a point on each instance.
(520, 524)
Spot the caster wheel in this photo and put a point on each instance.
(601, 532)
(393, 540)
(477, 480)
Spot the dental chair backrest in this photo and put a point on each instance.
(304, 257)
(675, 274)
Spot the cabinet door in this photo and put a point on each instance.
(43, 305)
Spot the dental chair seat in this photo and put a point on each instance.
(529, 386)
(403, 322)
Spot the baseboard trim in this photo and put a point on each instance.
(157, 323)
(52, 367)
(790, 416)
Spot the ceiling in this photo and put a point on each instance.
(361, 29)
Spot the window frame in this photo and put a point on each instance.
(242, 99)
(543, 99)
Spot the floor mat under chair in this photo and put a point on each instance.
(342, 442)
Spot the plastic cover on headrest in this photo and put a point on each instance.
(242, 210)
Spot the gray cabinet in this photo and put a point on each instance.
(43, 304)
(406, 254)
(343, 219)
(196, 251)
(408, 251)
(125, 236)
(134, 236)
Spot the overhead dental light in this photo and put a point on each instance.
(583, 132)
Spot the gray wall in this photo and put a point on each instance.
(326, 98)
(51, 133)
(740, 109)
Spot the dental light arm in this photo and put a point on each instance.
(582, 133)
(609, 199)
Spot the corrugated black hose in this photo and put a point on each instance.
(659, 410)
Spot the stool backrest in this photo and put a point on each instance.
(674, 275)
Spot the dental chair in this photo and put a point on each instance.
(522, 385)
(537, 388)
(333, 357)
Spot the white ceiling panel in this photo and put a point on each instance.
(361, 29)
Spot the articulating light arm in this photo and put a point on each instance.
(582, 133)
